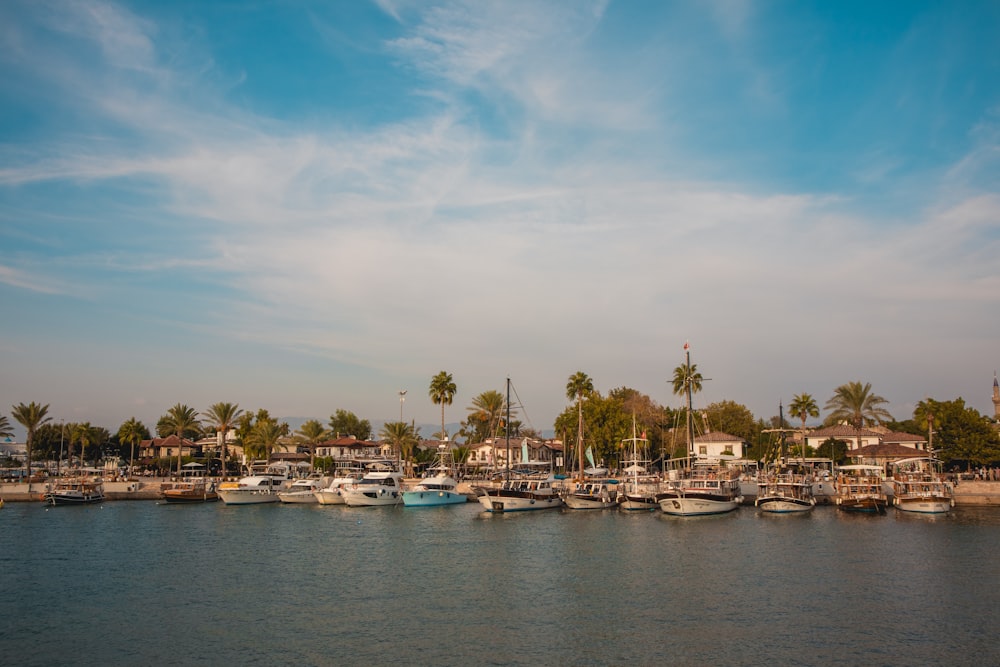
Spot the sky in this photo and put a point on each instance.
(311, 206)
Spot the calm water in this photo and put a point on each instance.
(139, 582)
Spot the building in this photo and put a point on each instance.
(167, 447)
(717, 443)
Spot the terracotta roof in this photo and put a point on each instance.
(169, 441)
(888, 451)
(347, 441)
(893, 436)
(843, 430)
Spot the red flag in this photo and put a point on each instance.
(686, 346)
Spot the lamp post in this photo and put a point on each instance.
(402, 397)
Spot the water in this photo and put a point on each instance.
(140, 582)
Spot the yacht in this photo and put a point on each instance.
(784, 491)
(436, 488)
(260, 487)
(333, 494)
(377, 488)
(301, 491)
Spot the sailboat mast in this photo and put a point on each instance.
(781, 430)
(690, 416)
(506, 428)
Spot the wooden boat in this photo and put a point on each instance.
(192, 488)
(784, 492)
(859, 489)
(638, 487)
(918, 486)
(592, 495)
(79, 490)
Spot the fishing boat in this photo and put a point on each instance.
(526, 489)
(260, 487)
(377, 488)
(639, 487)
(77, 490)
(192, 488)
(592, 495)
(698, 486)
(333, 494)
(302, 491)
(784, 491)
(859, 489)
(918, 486)
(438, 487)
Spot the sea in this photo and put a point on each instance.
(141, 582)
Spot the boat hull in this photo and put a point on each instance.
(433, 498)
(506, 502)
(924, 505)
(862, 505)
(330, 497)
(181, 498)
(778, 505)
(635, 503)
(681, 505)
(73, 499)
(577, 502)
(372, 498)
(298, 497)
(247, 497)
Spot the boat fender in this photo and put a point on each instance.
(532, 501)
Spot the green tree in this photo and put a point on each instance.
(344, 422)
(688, 381)
(833, 449)
(223, 417)
(442, 392)
(579, 386)
(485, 415)
(6, 430)
(961, 433)
(264, 437)
(83, 434)
(855, 403)
(402, 437)
(732, 418)
(30, 416)
(803, 406)
(310, 434)
(132, 433)
(181, 421)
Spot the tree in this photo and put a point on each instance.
(311, 433)
(132, 432)
(854, 403)
(264, 437)
(30, 416)
(578, 386)
(84, 434)
(732, 418)
(402, 437)
(181, 421)
(344, 422)
(442, 392)
(223, 418)
(833, 449)
(961, 433)
(485, 415)
(686, 382)
(803, 406)
(6, 430)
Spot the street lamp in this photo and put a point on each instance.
(402, 397)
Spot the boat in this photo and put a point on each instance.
(438, 487)
(193, 488)
(859, 489)
(76, 490)
(592, 495)
(301, 491)
(376, 489)
(260, 487)
(638, 488)
(522, 490)
(698, 486)
(918, 486)
(784, 491)
(332, 494)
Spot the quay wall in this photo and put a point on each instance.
(977, 493)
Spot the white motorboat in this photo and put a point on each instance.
(375, 489)
(705, 488)
(260, 487)
(333, 494)
(519, 494)
(301, 491)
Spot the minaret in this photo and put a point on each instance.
(996, 397)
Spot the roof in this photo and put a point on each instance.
(843, 431)
(893, 436)
(717, 436)
(887, 451)
(169, 441)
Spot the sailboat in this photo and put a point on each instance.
(785, 489)
(639, 487)
(594, 493)
(699, 486)
(524, 491)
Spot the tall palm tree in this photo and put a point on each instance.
(688, 381)
(854, 402)
(442, 391)
(6, 430)
(84, 434)
(803, 406)
(30, 416)
(180, 420)
(264, 436)
(402, 437)
(223, 417)
(485, 412)
(311, 433)
(133, 432)
(578, 386)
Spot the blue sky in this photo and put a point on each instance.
(308, 206)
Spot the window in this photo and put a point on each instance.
(703, 449)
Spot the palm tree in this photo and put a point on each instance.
(133, 432)
(485, 411)
(312, 433)
(803, 406)
(223, 417)
(402, 436)
(30, 416)
(687, 381)
(6, 430)
(442, 391)
(180, 420)
(84, 434)
(578, 386)
(854, 403)
(264, 436)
